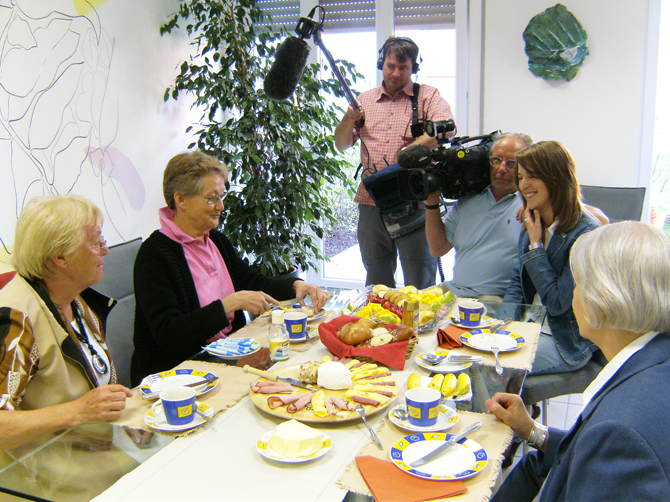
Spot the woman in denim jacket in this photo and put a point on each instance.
(554, 219)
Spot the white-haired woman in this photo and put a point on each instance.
(191, 287)
(55, 370)
(619, 446)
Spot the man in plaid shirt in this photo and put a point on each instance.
(383, 124)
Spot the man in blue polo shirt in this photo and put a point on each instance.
(482, 228)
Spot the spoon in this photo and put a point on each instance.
(432, 359)
(401, 413)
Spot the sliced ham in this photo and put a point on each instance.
(330, 407)
(341, 403)
(272, 388)
(390, 382)
(383, 392)
(277, 401)
(300, 403)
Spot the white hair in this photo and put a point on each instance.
(623, 274)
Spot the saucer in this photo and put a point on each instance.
(157, 420)
(446, 419)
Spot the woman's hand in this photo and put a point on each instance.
(319, 296)
(510, 409)
(102, 404)
(255, 302)
(534, 226)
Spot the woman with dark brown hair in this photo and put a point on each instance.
(554, 219)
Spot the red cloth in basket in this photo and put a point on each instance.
(391, 354)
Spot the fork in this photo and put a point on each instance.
(499, 368)
(361, 411)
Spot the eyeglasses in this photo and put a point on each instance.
(100, 246)
(213, 199)
(497, 162)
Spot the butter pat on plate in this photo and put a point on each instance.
(294, 439)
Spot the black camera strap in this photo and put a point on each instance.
(416, 127)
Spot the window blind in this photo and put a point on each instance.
(360, 14)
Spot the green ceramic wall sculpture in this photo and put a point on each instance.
(555, 44)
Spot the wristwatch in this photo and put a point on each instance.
(535, 245)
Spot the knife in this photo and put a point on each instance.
(273, 377)
(288, 303)
(152, 395)
(444, 447)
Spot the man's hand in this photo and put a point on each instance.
(319, 296)
(102, 404)
(510, 409)
(344, 132)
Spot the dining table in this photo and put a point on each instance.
(221, 459)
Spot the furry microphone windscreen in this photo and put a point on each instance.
(416, 156)
(285, 73)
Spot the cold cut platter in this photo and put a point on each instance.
(367, 384)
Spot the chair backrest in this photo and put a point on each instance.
(118, 284)
(617, 203)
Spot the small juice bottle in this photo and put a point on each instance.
(278, 337)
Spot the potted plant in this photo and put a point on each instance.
(281, 155)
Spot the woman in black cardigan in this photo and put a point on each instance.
(190, 285)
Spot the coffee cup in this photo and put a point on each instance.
(423, 406)
(296, 324)
(178, 405)
(472, 313)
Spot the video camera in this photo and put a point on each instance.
(460, 170)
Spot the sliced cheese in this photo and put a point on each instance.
(319, 404)
(367, 373)
(294, 439)
(377, 397)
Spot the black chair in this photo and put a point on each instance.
(118, 284)
(618, 204)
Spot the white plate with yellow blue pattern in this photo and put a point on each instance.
(175, 378)
(264, 448)
(506, 341)
(464, 460)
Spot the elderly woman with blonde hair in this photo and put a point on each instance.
(55, 369)
(619, 446)
(191, 287)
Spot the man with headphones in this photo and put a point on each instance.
(384, 124)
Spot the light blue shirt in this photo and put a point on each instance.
(485, 234)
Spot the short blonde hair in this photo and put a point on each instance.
(49, 227)
(184, 173)
(622, 271)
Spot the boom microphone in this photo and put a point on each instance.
(284, 75)
(415, 156)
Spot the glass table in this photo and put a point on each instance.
(80, 463)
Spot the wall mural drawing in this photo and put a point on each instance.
(57, 132)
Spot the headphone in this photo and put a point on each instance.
(394, 40)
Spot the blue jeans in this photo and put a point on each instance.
(548, 360)
(380, 253)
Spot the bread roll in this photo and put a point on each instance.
(370, 323)
(402, 333)
(354, 333)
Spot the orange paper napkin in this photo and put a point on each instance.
(391, 354)
(389, 484)
(450, 337)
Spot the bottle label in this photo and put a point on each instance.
(279, 349)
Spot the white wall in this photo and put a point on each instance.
(599, 114)
(82, 111)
